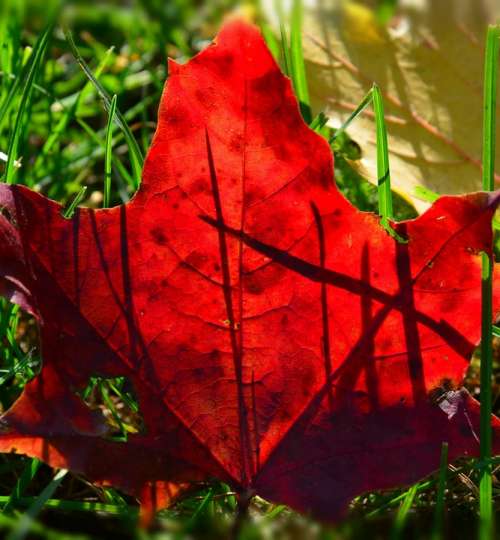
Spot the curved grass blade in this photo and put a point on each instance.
(137, 158)
(297, 61)
(69, 212)
(271, 40)
(79, 506)
(72, 111)
(102, 144)
(191, 524)
(24, 524)
(438, 528)
(390, 503)
(402, 515)
(13, 90)
(34, 66)
(108, 156)
(24, 481)
(359, 109)
(19, 367)
(319, 122)
(285, 48)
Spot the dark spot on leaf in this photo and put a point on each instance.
(159, 236)
(196, 259)
(200, 185)
(236, 144)
(253, 284)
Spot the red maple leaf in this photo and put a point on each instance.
(276, 337)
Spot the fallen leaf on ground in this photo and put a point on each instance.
(276, 337)
(428, 62)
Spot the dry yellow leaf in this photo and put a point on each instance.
(428, 62)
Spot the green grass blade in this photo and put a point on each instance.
(24, 524)
(485, 479)
(319, 122)
(73, 110)
(34, 66)
(438, 528)
(383, 174)
(425, 194)
(78, 506)
(137, 158)
(69, 212)
(285, 48)
(10, 49)
(489, 131)
(191, 524)
(112, 409)
(116, 162)
(385, 208)
(13, 90)
(385, 10)
(19, 367)
(271, 41)
(129, 401)
(393, 501)
(489, 120)
(359, 109)
(108, 157)
(402, 515)
(38, 530)
(297, 59)
(274, 512)
(24, 481)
